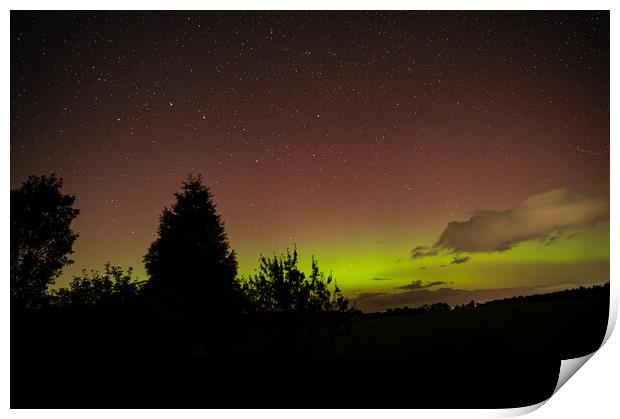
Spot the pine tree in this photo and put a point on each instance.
(191, 257)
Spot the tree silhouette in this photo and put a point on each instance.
(114, 285)
(191, 256)
(280, 286)
(41, 238)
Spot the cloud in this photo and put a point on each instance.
(536, 217)
(423, 251)
(549, 239)
(460, 259)
(418, 285)
(366, 295)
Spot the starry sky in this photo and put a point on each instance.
(421, 156)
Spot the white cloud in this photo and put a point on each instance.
(533, 218)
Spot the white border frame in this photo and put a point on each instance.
(593, 392)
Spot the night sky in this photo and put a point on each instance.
(358, 136)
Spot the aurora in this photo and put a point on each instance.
(356, 149)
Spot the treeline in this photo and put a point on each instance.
(581, 292)
(403, 311)
(190, 263)
(595, 291)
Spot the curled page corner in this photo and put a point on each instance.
(614, 297)
(569, 367)
(520, 411)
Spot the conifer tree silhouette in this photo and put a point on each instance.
(191, 257)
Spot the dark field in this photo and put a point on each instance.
(499, 354)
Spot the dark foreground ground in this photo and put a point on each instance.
(504, 354)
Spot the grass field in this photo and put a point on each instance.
(500, 354)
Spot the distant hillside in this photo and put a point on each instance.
(581, 292)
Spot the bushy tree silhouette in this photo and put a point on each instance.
(191, 256)
(41, 238)
(93, 288)
(280, 286)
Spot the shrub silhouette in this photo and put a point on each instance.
(41, 238)
(191, 257)
(94, 288)
(280, 286)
